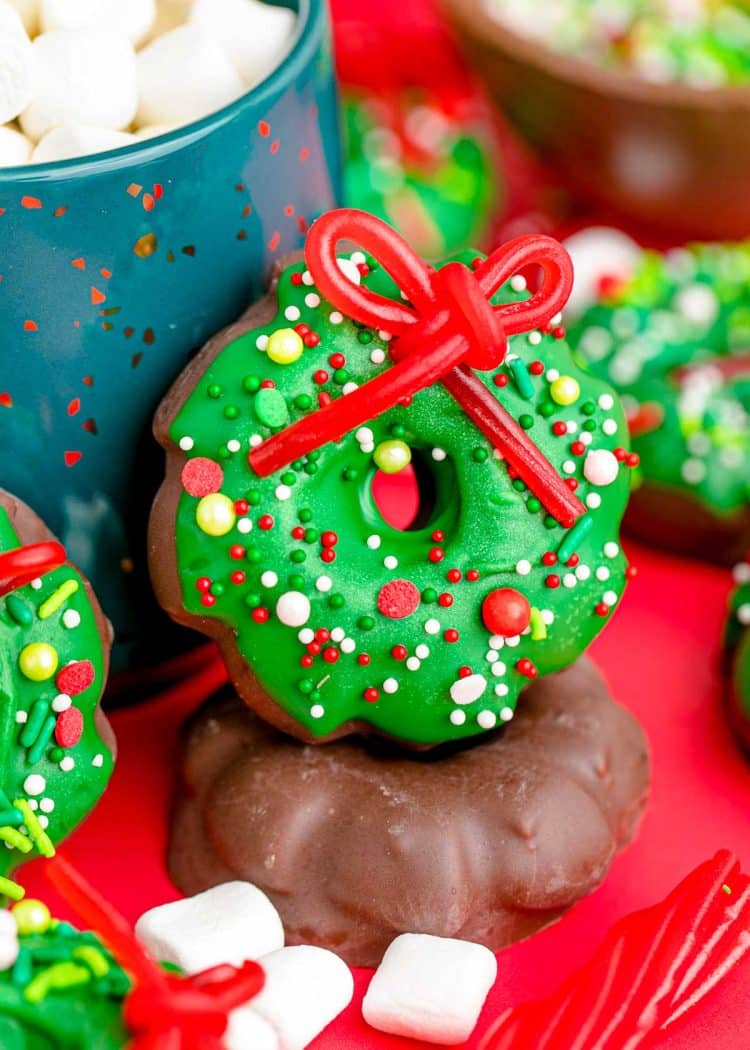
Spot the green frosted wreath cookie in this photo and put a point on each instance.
(56, 747)
(331, 620)
(672, 333)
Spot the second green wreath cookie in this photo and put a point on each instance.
(266, 534)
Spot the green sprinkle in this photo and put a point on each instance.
(315, 695)
(547, 409)
(573, 537)
(231, 412)
(253, 555)
(311, 535)
(550, 522)
(270, 407)
(314, 456)
(526, 421)
(519, 485)
(351, 474)
(15, 839)
(365, 623)
(364, 337)
(11, 889)
(480, 455)
(305, 515)
(35, 721)
(23, 968)
(296, 582)
(223, 452)
(429, 595)
(311, 468)
(214, 391)
(302, 402)
(398, 430)
(217, 589)
(590, 424)
(533, 506)
(19, 610)
(252, 601)
(538, 626)
(44, 736)
(289, 477)
(522, 379)
(306, 685)
(251, 384)
(588, 408)
(341, 376)
(337, 601)
(297, 556)
(253, 497)
(38, 835)
(57, 754)
(61, 975)
(93, 958)
(10, 816)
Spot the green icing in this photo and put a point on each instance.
(675, 341)
(439, 185)
(87, 1013)
(490, 524)
(72, 779)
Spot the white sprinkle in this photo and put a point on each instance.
(534, 338)
(358, 258)
(501, 689)
(293, 608)
(609, 598)
(348, 645)
(71, 619)
(390, 561)
(43, 822)
(694, 471)
(523, 567)
(312, 299)
(33, 804)
(569, 579)
(374, 541)
(317, 711)
(439, 454)
(233, 445)
(377, 356)
(34, 784)
(609, 427)
(306, 635)
(600, 466)
(21, 717)
(269, 579)
(335, 317)
(458, 717)
(349, 388)
(513, 641)
(413, 663)
(571, 426)
(506, 713)
(368, 448)
(66, 764)
(61, 702)
(283, 492)
(491, 656)
(593, 500)
(487, 719)
(262, 342)
(743, 614)
(582, 572)
(292, 313)
(499, 669)
(432, 626)
(244, 525)
(551, 375)
(324, 583)
(422, 651)
(518, 283)
(569, 467)
(255, 440)
(385, 336)
(390, 685)
(467, 690)
(47, 805)
(349, 270)
(741, 572)
(98, 761)
(548, 616)
(364, 436)
(186, 443)
(611, 549)
(497, 641)
(307, 279)
(338, 634)
(602, 573)
(606, 401)
(586, 438)
(36, 585)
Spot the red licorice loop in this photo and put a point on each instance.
(24, 564)
(446, 327)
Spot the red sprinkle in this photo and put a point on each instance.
(203, 583)
(453, 575)
(500, 379)
(602, 609)
(323, 634)
(298, 533)
(329, 539)
(337, 360)
(260, 615)
(436, 554)
(306, 661)
(446, 600)
(398, 599)
(398, 652)
(553, 581)
(238, 577)
(237, 551)
(201, 477)
(330, 655)
(75, 678)
(69, 727)
(578, 448)
(527, 668)
(536, 368)
(208, 600)
(559, 428)
(313, 648)
(241, 506)
(328, 555)
(464, 672)
(371, 694)
(438, 536)
(451, 635)
(320, 377)
(265, 522)
(472, 575)
(549, 558)
(573, 560)
(363, 659)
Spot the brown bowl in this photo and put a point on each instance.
(662, 154)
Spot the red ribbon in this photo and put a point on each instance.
(24, 564)
(163, 1011)
(446, 327)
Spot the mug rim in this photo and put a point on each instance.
(310, 19)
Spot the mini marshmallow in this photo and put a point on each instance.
(183, 76)
(15, 148)
(248, 1031)
(16, 64)
(430, 988)
(29, 12)
(133, 18)
(305, 989)
(255, 35)
(229, 923)
(169, 15)
(152, 130)
(78, 140)
(599, 251)
(81, 77)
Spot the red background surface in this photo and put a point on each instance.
(660, 656)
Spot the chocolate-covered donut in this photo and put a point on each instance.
(357, 842)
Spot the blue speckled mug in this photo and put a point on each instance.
(114, 269)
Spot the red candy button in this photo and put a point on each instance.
(75, 677)
(398, 599)
(201, 477)
(506, 612)
(69, 727)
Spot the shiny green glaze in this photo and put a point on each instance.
(70, 793)
(663, 338)
(87, 1015)
(489, 523)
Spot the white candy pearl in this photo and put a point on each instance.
(600, 467)
(256, 36)
(133, 18)
(293, 609)
(183, 76)
(78, 140)
(82, 76)
(16, 64)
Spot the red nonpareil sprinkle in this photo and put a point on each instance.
(208, 600)
(464, 672)
(371, 694)
(313, 648)
(330, 655)
(558, 332)
(328, 555)
(337, 360)
(572, 483)
(501, 379)
(296, 279)
(536, 368)
(445, 600)
(329, 539)
(238, 577)
(298, 533)
(552, 581)
(451, 635)
(573, 560)
(436, 554)
(260, 615)
(453, 575)
(363, 659)
(265, 522)
(241, 506)
(302, 328)
(621, 455)
(322, 634)
(559, 429)
(526, 668)
(472, 575)
(306, 660)
(399, 652)
(578, 448)
(602, 609)
(632, 459)
(267, 384)
(549, 558)
(312, 339)
(69, 727)
(237, 551)
(203, 583)
(320, 377)
(438, 536)
(75, 678)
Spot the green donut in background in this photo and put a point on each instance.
(333, 621)
(671, 332)
(435, 179)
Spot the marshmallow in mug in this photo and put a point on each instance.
(16, 64)
(133, 18)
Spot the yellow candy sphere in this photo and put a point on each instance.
(31, 916)
(38, 661)
(565, 390)
(215, 514)
(284, 346)
(392, 456)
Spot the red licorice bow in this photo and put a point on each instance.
(163, 1011)
(446, 328)
(652, 968)
(22, 565)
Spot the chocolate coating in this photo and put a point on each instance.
(357, 842)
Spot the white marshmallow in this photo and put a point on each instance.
(15, 148)
(16, 64)
(430, 988)
(29, 12)
(78, 140)
(305, 989)
(256, 36)
(133, 18)
(169, 15)
(152, 130)
(183, 76)
(599, 251)
(229, 923)
(248, 1031)
(81, 77)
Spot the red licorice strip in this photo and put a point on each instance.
(652, 968)
(448, 320)
(24, 564)
(163, 1011)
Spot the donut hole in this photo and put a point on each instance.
(405, 500)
